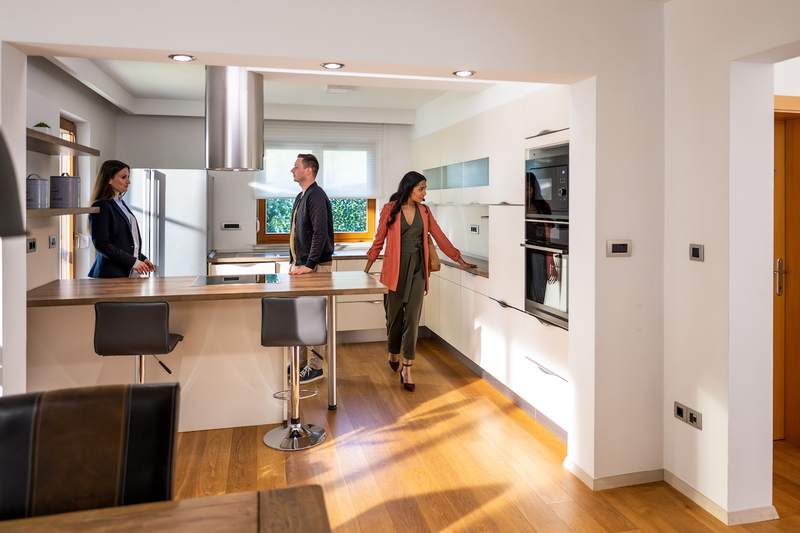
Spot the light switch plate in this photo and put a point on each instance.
(31, 244)
(52, 241)
(475, 228)
(697, 252)
(618, 248)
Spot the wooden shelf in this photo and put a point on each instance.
(52, 145)
(60, 212)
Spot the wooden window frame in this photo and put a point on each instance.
(262, 237)
(67, 225)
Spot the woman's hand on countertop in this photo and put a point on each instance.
(140, 267)
(150, 265)
(464, 264)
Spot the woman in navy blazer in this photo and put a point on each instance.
(115, 231)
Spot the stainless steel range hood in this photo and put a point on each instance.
(234, 119)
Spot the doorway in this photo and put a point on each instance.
(786, 293)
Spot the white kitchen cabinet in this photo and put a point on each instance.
(490, 337)
(357, 265)
(450, 274)
(468, 338)
(449, 311)
(431, 304)
(360, 315)
(237, 269)
(506, 256)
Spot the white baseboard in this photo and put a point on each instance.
(729, 518)
(613, 482)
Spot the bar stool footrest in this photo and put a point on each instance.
(286, 395)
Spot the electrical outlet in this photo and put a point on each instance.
(680, 411)
(688, 415)
(695, 419)
(52, 241)
(31, 245)
(474, 228)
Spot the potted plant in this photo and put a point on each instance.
(44, 127)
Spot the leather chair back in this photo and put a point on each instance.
(86, 448)
(131, 328)
(297, 321)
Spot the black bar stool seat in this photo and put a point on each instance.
(294, 322)
(134, 328)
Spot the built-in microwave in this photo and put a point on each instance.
(547, 183)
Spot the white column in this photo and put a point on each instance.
(13, 69)
(750, 219)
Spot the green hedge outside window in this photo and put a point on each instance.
(349, 215)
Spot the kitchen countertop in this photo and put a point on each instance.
(273, 255)
(89, 291)
(481, 270)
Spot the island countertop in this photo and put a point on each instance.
(175, 289)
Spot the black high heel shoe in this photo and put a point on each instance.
(407, 386)
(394, 365)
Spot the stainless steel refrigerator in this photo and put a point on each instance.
(170, 205)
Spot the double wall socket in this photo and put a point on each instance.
(688, 415)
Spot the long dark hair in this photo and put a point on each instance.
(101, 189)
(407, 184)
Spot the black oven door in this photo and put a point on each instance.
(546, 291)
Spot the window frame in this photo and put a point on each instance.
(68, 130)
(262, 237)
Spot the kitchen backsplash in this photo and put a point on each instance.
(466, 226)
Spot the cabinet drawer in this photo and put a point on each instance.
(232, 269)
(360, 315)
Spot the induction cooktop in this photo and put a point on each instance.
(242, 279)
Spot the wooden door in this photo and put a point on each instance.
(789, 330)
(779, 313)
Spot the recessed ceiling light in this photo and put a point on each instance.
(333, 66)
(464, 73)
(182, 58)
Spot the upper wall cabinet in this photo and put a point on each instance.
(464, 182)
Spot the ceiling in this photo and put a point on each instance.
(186, 81)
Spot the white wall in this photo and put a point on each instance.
(787, 77)
(718, 186)
(52, 93)
(161, 142)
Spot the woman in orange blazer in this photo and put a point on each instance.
(405, 224)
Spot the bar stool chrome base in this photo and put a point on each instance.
(295, 437)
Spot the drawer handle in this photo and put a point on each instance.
(545, 370)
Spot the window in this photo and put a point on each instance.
(353, 219)
(347, 173)
(67, 164)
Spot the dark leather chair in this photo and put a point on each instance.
(294, 322)
(134, 328)
(86, 448)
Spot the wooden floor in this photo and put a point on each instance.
(454, 456)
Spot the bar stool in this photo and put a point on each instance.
(294, 322)
(134, 328)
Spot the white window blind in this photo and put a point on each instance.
(348, 155)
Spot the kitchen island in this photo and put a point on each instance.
(227, 378)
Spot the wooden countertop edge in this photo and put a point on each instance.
(91, 300)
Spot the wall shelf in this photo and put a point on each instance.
(44, 143)
(60, 212)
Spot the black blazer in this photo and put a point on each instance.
(313, 227)
(111, 236)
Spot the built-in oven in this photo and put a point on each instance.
(547, 270)
(547, 183)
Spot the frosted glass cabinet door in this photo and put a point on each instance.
(454, 176)
(434, 178)
(476, 173)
